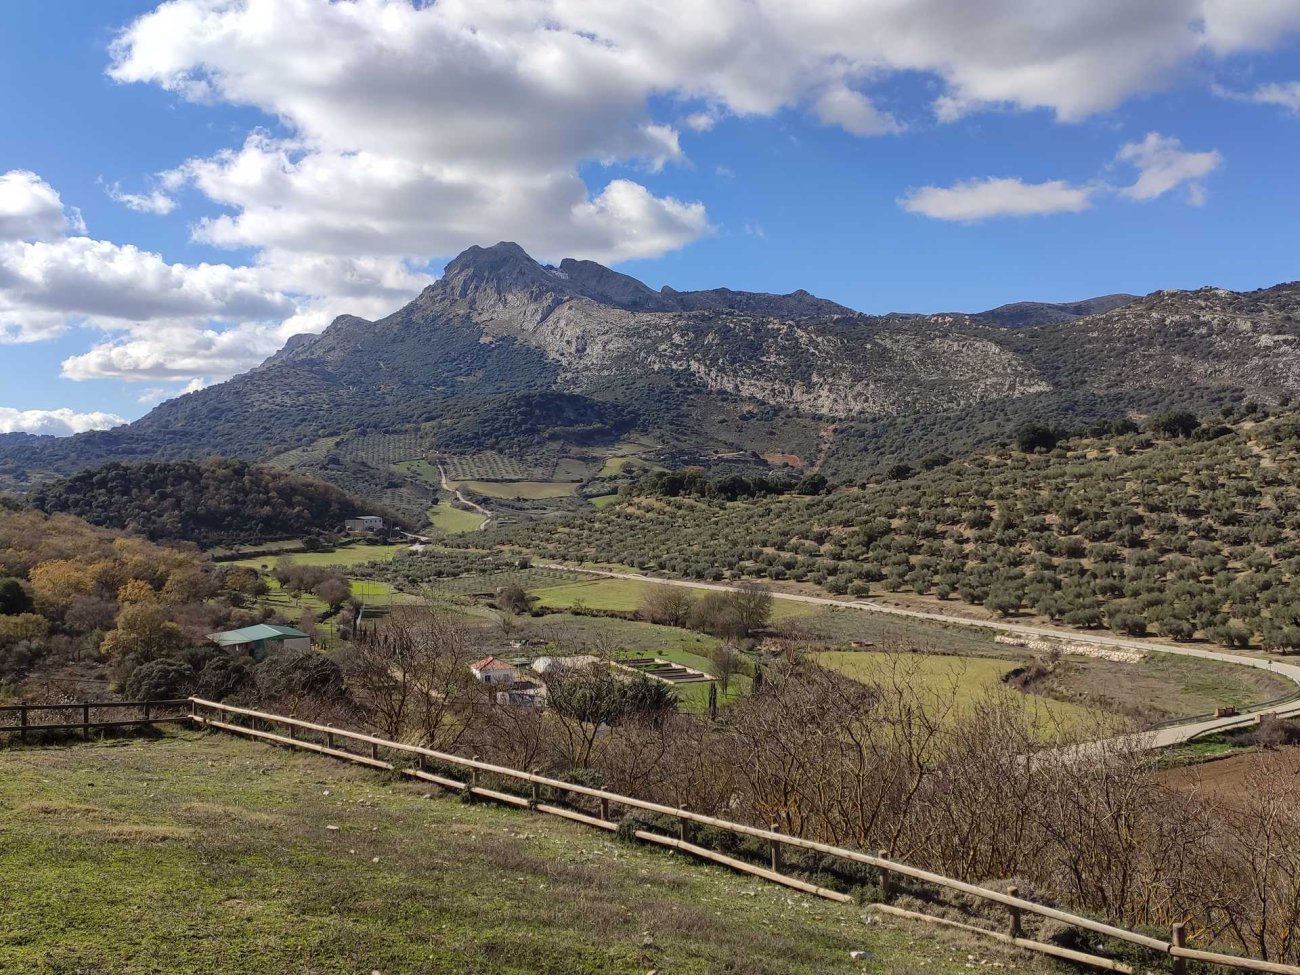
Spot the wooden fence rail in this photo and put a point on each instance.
(1016, 906)
(147, 713)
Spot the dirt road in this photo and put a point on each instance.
(1159, 738)
(446, 486)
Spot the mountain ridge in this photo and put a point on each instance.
(505, 353)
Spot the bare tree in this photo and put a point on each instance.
(727, 662)
(667, 605)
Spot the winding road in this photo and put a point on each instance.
(446, 486)
(1163, 737)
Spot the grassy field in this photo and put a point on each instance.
(973, 678)
(209, 854)
(454, 521)
(624, 595)
(604, 501)
(527, 490)
(349, 555)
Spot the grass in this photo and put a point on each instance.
(604, 501)
(454, 521)
(516, 490)
(349, 555)
(624, 595)
(209, 854)
(972, 678)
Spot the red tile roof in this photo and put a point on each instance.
(489, 663)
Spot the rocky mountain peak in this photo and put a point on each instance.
(504, 268)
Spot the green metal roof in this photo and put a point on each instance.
(253, 634)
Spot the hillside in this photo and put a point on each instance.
(543, 363)
(1191, 536)
(211, 502)
(294, 863)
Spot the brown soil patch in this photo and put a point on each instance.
(1226, 779)
(790, 460)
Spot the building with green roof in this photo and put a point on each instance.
(260, 639)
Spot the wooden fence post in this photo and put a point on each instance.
(682, 824)
(374, 752)
(604, 809)
(85, 722)
(148, 713)
(1179, 939)
(22, 722)
(776, 853)
(885, 884)
(329, 739)
(1013, 927)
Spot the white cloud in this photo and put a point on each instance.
(853, 111)
(31, 209)
(1284, 94)
(973, 200)
(60, 423)
(1231, 26)
(155, 201)
(412, 130)
(1163, 165)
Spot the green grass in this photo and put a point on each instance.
(454, 521)
(604, 501)
(515, 490)
(622, 595)
(349, 555)
(209, 854)
(614, 465)
(420, 470)
(973, 678)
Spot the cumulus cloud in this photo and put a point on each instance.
(415, 129)
(60, 423)
(155, 201)
(973, 200)
(1163, 165)
(31, 209)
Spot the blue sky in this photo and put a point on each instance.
(184, 185)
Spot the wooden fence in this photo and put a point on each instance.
(145, 713)
(211, 714)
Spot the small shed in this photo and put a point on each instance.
(258, 640)
(490, 670)
(365, 524)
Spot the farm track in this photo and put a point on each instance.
(1175, 734)
(446, 486)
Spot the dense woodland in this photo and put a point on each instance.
(211, 502)
(1186, 529)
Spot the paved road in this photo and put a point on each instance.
(1160, 738)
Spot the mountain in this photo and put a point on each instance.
(1022, 314)
(551, 367)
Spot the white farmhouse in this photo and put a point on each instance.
(490, 670)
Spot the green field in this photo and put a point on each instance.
(604, 501)
(454, 521)
(196, 853)
(349, 555)
(974, 678)
(621, 595)
(420, 470)
(491, 466)
(519, 490)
